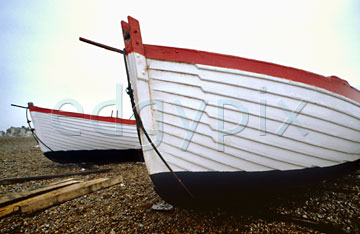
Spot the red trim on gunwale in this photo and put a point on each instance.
(334, 84)
(82, 116)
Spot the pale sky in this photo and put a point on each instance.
(42, 60)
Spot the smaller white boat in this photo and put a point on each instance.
(68, 137)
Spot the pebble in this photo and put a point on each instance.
(127, 209)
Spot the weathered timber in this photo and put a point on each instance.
(45, 177)
(18, 196)
(58, 196)
(69, 193)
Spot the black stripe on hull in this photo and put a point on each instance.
(239, 189)
(95, 156)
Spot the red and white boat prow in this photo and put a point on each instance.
(68, 137)
(230, 126)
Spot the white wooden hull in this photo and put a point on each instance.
(70, 136)
(329, 140)
(221, 120)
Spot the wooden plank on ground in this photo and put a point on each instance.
(59, 196)
(22, 195)
(45, 177)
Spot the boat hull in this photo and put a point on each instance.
(67, 137)
(95, 156)
(241, 189)
(229, 126)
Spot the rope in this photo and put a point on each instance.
(140, 124)
(37, 139)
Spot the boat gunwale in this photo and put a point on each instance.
(82, 116)
(260, 77)
(133, 44)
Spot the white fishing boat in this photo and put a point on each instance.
(226, 126)
(69, 137)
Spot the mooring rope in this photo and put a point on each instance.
(139, 122)
(36, 137)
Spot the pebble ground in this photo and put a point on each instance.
(126, 208)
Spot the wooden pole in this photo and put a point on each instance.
(45, 177)
(101, 45)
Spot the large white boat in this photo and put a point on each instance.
(227, 126)
(69, 137)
